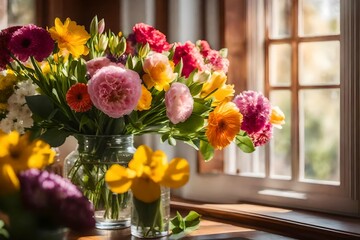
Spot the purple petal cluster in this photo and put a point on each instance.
(263, 136)
(5, 36)
(56, 200)
(255, 109)
(31, 40)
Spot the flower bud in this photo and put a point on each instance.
(101, 26)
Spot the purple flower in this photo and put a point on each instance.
(263, 136)
(5, 36)
(56, 200)
(255, 109)
(31, 40)
(115, 90)
(179, 103)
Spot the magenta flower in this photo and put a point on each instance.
(213, 57)
(255, 109)
(55, 200)
(97, 63)
(263, 136)
(148, 34)
(179, 103)
(31, 40)
(115, 90)
(191, 57)
(5, 36)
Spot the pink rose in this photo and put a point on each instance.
(115, 90)
(95, 64)
(179, 103)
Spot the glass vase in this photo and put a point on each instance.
(86, 168)
(151, 220)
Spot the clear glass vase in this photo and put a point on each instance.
(151, 220)
(86, 168)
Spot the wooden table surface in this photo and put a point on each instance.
(209, 229)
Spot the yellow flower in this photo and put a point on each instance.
(223, 125)
(159, 72)
(217, 89)
(70, 37)
(277, 117)
(7, 80)
(18, 153)
(147, 172)
(145, 99)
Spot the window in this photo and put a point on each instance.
(309, 71)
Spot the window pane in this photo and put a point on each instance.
(21, 12)
(319, 17)
(280, 26)
(319, 134)
(280, 64)
(251, 164)
(319, 63)
(280, 145)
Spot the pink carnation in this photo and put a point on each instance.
(115, 90)
(263, 136)
(31, 40)
(95, 64)
(191, 57)
(255, 109)
(213, 57)
(179, 103)
(148, 34)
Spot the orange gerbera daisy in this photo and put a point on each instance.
(78, 98)
(223, 125)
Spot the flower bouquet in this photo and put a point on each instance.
(109, 84)
(39, 204)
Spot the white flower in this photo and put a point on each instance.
(6, 125)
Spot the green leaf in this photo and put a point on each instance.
(200, 107)
(180, 226)
(54, 137)
(206, 150)
(40, 105)
(191, 125)
(179, 67)
(195, 89)
(172, 141)
(244, 143)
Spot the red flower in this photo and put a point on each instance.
(191, 57)
(5, 36)
(78, 98)
(148, 34)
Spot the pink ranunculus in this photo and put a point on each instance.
(179, 103)
(95, 64)
(191, 57)
(217, 62)
(115, 90)
(147, 34)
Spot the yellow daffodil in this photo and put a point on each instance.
(70, 37)
(159, 72)
(18, 153)
(217, 89)
(277, 117)
(145, 99)
(147, 172)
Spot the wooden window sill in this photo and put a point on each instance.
(296, 224)
(249, 221)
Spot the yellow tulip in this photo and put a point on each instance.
(217, 89)
(277, 117)
(145, 100)
(147, 172)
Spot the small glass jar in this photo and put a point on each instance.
(86, 168)
(151, 220)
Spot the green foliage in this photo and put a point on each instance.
(181, 226)
(243, 141)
